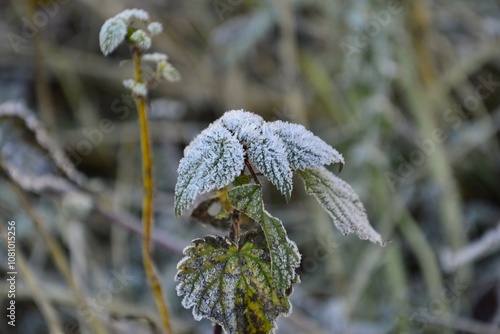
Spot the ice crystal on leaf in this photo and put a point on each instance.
(267, 152)
(141, 39)
(285, 256)
(169, 72)
(133, 14)
(212, 160)
(155, 28)
(112, 33)
(275, 149)
(303, 149)
(341, 202)
(231, 285)
(245, 125)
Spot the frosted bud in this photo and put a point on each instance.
(155, 28)
(140, 89)
(141, 39)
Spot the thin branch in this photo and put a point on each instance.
(163, 240)
(250, 168)
(147, 210)
(489, 243)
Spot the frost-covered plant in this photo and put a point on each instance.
(243, 282)
(126, 27)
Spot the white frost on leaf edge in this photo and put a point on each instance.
(243, 124)
(303, 148)
(275, 149)
(133, 14)
(211, 161)
(112, 33)
(341, 202)
(268, 154)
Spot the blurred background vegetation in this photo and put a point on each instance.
(408, 92)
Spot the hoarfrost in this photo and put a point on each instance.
(303, 148)
(268, 153)
(229, 285)
(133, 14)
(212, 160)
(341, 202)
(245, 125)
(112, 33)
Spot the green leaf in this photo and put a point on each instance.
(242, 179)
(341, 202)
(285, 256)
(231, 285)
(112, 33)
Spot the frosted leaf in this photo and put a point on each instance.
(133, 14)
(211, 161)
(268, 153)
(303, 148)
(112, 33)
(169, 72)
(341, 202)
(129, 83)
(285, 256)
(246, 126)
(155, 57)
(155, 28)
(141, 39)
(230, 285)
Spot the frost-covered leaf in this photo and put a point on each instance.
(112, 33)
(211, 161)
(303, 148)
(341, 202)
(169, 72)
(231, 285)
(29, 156)
(246, 126)
(267, 152)
(265, 149)
(285, 256)
(128, 15)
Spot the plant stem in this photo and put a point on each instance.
(217, 329)
(250, 168)
(147, 205)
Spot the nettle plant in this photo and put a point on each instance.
(243, 281)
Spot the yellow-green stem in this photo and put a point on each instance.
(147, 204)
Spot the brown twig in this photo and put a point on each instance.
(250, 168)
